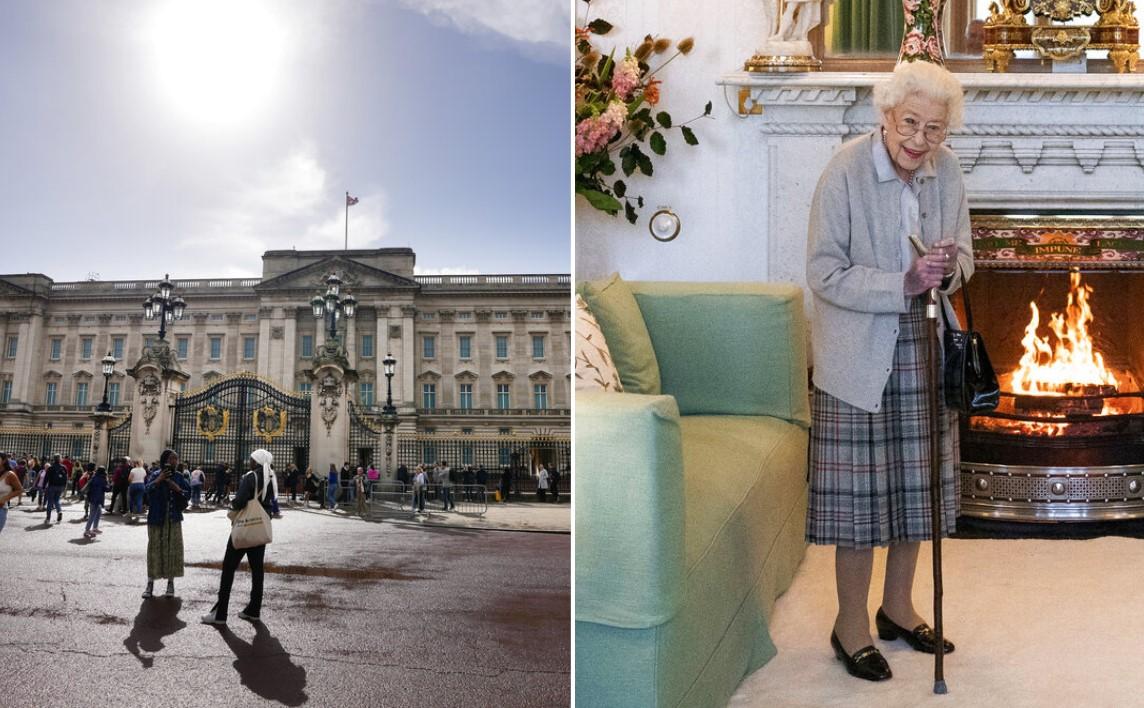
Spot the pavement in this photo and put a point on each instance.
(441, 611)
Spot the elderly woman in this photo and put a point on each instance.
(869, 459)
(167, 494)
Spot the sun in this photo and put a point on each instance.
(217, 61)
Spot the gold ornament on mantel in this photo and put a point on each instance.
(785, 45)
(1116, 30)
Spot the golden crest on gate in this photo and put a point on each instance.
(269, 423)
(212, 421)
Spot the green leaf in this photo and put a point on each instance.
(600, 200)
(688, 136)
(600, 26)
(630, 212)
(642, 160)
(657, 143)
(707, 108)
(621, 189)
(664, 119)
(628, 160)
(608, 168)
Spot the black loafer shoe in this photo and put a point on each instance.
(921, 638)
(867, 663)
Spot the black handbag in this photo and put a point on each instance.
(970, 383)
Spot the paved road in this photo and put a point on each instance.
(355, 613)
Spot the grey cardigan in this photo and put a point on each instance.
(852, 263)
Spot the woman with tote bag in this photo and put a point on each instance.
(251, 516)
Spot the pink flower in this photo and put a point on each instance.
(911, 5)
(909, 18)
(595, 133)
(933, 48)
(914, 43)
(626, 78)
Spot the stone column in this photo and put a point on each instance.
(404, 387)
(30, 332)
(289, 346)
(332, 380)
(520, 358)
(100, 450)
(157, 378)
(265, 367)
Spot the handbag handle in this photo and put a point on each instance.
(968, 311)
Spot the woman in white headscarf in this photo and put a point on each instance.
(259, 483)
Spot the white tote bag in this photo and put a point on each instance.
(252, 524)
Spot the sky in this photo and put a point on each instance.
(190, 136)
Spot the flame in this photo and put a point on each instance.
(1046, 370)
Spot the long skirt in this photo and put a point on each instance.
(870, 472)
(165, 550)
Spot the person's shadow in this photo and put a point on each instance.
(157, 618)
(265, 667)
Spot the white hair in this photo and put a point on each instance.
(925, 79)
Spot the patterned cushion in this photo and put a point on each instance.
(594, 367)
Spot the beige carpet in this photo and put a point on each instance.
(1037, 623)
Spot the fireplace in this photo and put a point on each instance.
(1059, 301)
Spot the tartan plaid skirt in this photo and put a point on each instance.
(870, 472)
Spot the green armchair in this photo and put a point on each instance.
(691, 505)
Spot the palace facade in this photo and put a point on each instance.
(476, 354)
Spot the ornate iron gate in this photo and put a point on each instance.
(223, 424)
(119, 439)
(366, 441)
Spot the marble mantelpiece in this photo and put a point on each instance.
(1030, 141)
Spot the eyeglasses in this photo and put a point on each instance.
(933, 133)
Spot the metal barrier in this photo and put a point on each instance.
(395, 497)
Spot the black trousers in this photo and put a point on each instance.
(230, 562)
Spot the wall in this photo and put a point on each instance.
(698, 182)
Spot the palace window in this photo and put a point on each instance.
(216, 348)
(365, 393)
(6, 391)
(248, 347)
(429, 395)
(86, 347)
(13, 345)
(50, 394)
(429, 347)
(305, 388)
(182, 347)
(465, 346)
(117, 348)
(466, 396)
(113, 393)
(367, 345)
(538, 346)
(56, 344)
(307, 346)
(540, 396)
(503, 398)
(81, 394)
(502, 346)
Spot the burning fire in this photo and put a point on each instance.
(1073, 364)
(1053, 378)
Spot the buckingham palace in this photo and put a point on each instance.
(480, 355)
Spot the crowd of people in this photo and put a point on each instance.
(48, 481)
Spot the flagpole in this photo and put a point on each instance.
(347, 244)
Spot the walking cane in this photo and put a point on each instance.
(933, 377)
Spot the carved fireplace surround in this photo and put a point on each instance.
(1032, 143)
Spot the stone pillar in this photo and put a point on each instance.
(289, 346)
(100, 449)
(157, 378)
(265, 368)
(404, 387)
(30, 331)
(332, 380)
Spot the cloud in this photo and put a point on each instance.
(544, 24)
(289, 205)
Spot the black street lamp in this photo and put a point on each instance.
(108, 363)
(331, 305)
(389, 412)
(164, 306)
(389, 364)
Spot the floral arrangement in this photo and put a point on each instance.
(615, 115)
(922, 39)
